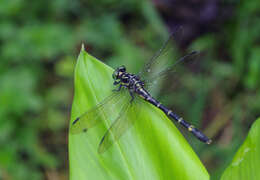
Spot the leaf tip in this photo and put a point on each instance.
(82, 47)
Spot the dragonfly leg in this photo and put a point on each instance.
(132, 95)
(116, 82)
(119, 88)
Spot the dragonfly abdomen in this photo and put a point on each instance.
(180, 120)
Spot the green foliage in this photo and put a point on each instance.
(32, 89)
(152, 139)
(232, 60)
(40, 39)
(246, 162)
(152, 149)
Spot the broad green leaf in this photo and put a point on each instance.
(153, 148)
(246, 162)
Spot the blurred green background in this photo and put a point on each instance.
(39, 44)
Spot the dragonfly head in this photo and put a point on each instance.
(118, 72)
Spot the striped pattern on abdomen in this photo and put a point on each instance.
(180, 120)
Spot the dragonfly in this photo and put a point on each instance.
(130, 89)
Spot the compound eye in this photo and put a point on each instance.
(122, 68)
(114, 75)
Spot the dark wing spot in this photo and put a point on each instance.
(103, 138)
(85, 130)
(76, 120)
(100, 148)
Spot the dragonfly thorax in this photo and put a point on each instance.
(126, 79)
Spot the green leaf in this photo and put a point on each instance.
(246, 162)
(153, 148)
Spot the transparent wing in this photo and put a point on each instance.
(123, 122)
(95, 115)
(153, 79)
(162, 57)
(164, 62)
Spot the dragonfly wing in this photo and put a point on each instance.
(95, 115)
(164, 62)
(122, 123)
(161, 55)
(150, 81)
